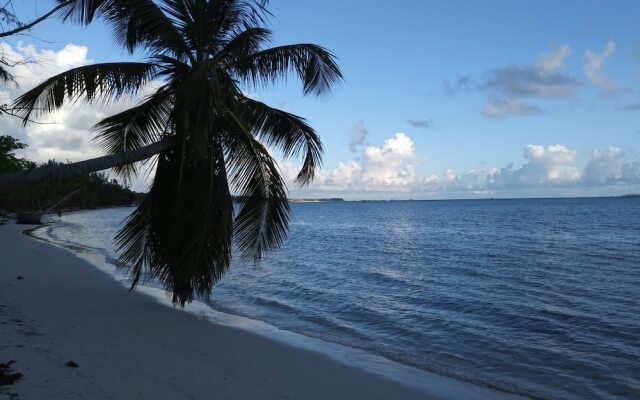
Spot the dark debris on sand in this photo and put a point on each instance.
(7, 377)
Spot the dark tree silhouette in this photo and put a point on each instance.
(212, 136)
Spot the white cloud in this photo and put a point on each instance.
(64, 134)
(389, 170)
(35, 65)
(343, 177)
(547, 166)
(389, 165)
(604, 167)
(380, 169)
(593, 68)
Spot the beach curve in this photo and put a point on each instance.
(131, 346)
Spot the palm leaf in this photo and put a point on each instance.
(5, 75)
(261, 224)
(314, 65)
(136, 127)
(144, 24)
(285, 131)
(134, 23)
(246, 42)
(107, 81)
(84, 11)
(182, 239)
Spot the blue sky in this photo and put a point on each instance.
(550, 88)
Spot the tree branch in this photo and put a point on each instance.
(34, 22)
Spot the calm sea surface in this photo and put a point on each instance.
(539, 297)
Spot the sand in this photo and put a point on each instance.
(131, 346)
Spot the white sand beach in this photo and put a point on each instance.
(130, 346)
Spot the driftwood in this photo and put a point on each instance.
(29, 218)
(35, 218)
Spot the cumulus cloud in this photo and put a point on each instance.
(594, 65)
(546, 166)
(385, 168)
(511, 89)
(389, 165)
(604, 167)
(65, 134)
(421, 123)
(549, 166)
(608, 167)
(359, 133)
(552, 167)
(390, 169)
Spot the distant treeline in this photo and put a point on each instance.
(80, 192)
(91, 191)
(242, 199)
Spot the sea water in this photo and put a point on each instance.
(539, 297)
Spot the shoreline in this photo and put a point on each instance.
(304, 359)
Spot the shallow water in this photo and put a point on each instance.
(533, 296)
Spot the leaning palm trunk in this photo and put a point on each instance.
(64, 171)
(204, 54)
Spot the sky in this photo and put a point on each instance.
(441, 99)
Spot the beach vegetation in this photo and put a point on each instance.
(9, 162)
(94, 190)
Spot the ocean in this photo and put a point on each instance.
(539, 297)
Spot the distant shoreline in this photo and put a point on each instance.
(318, 200)
(632, 195)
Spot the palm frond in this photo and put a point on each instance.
(84, 11)
(286, 131)
(5, 75)
(313, 64)
(246, 42)
(262, 222)
(182, 239)
(135, 23)
(136, 127)
(144, 24)
(108, 81)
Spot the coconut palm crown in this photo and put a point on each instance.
(202, 53)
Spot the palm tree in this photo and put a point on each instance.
(209, 136)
